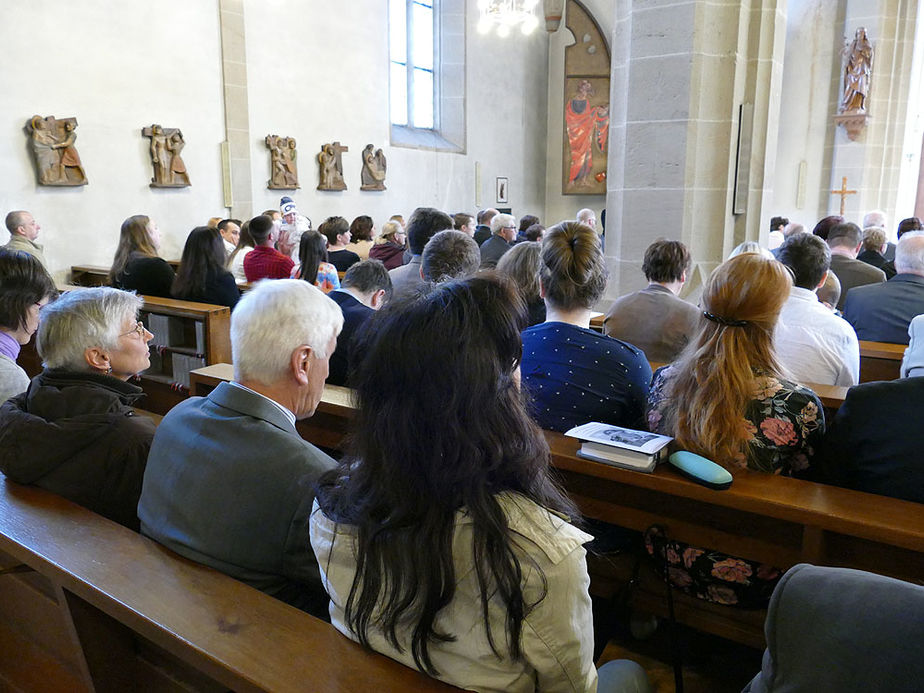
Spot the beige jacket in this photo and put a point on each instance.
(22, 243)
(557, 639)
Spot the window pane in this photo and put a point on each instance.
(422, 38)
(398, 94)
(397, 30)
(423, 99)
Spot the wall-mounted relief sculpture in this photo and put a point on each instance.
(56, 159)
(858, 65)
(586, 112)
(283, 169)
(330, 160)
(374, 165)
(166, 157)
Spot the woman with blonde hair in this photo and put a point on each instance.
(521, 264)
(390, 246)
(726, 398)
(136, 265)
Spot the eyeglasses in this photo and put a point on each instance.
(508, 227)
(137, 329)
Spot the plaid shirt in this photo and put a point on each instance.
(267, 263)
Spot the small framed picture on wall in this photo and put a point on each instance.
(501, 191)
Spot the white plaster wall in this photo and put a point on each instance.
(318, 71)
(813, 34)
(116, 66)
(558, 206)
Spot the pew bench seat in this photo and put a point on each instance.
(95, 606)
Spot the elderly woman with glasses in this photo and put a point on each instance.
(74, 432)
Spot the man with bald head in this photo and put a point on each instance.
(882, 312)
(24, 229)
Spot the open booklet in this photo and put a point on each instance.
(620, 447)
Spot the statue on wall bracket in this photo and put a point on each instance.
(858, 66)
(374, 166)
(330, 162)
(56, 159)
(283, 167)
(586, 109)
(166, 157)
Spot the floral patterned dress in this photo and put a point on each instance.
(785, 422)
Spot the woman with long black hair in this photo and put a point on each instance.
(442, 540)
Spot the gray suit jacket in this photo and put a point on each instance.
(229, 483)
(492, 250)
(851, 273)
(834, 629)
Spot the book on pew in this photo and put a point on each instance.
(620, 447)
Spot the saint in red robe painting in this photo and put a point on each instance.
(586, 124)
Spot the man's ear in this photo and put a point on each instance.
(683, 277)
(300, 363)
(823, 280)
(377, 299)
(97, 358)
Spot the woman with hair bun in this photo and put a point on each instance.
(443, 541)
(726, 399)
(573, 373)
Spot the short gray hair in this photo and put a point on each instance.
(909, 253)
(82, 319)
(585, 215)
(450, 255)
(499, 221)
(274, 319)
(874, 217)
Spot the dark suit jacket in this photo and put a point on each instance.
(882, 312)
(354, 315)
(872, 445)
(482, 233)
(835, 629)
(851, 272)
(229, 483)
(492, 250)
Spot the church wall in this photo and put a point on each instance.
(315, 70)
(116, 67)
(310, 79)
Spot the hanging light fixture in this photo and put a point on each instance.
(506, 15)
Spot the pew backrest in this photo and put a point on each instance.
(134, 610)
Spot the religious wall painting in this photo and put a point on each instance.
(283, 166)
(330, 163)
(54, 152)
(586, 113)
(166, 157)
(374, 168)
(857, 77)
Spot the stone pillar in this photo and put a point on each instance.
(872, 162)
(237, 119)
(680, 72)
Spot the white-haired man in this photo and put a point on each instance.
(503, 231)
(229, 480)
(882, 312)
(878, 218)
(587, 217)
(24, 229)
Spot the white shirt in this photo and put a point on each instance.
(557, 638)
(813, 344)
(237, 267)
(229, 247)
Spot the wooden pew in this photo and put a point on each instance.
(87, 604)
(772, 519)
(97, 275)
(880, 360)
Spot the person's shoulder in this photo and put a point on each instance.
(547, 531)
(907, 391)
(793, 390)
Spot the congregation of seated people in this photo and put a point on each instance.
(462, 336)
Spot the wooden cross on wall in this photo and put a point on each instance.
(843, 192)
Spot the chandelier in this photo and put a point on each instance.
(506, 15)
